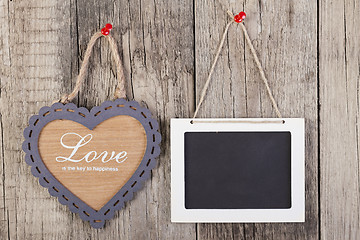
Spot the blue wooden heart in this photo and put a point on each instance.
(91, 119)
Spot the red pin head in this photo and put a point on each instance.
(108, 26)
(241, 16)
(106, 30)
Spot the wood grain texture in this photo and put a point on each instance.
(34, 50)
(42, 47)
(119, 143)
(309, 51)
(339, 71)
(284, 35)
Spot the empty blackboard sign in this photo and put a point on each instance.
(237, 170)
(226, 170)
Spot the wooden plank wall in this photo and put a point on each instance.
(310, 51)
(339, 76)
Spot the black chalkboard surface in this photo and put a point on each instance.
(237, 170)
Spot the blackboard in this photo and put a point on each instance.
(237, 170)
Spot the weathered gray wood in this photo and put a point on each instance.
(41, 47)
(284, 35)
(339, 71)
(161, 66)
(5, 68)
(40, 44)
(32, 78)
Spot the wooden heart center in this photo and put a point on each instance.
(93, 164)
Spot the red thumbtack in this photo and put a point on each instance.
(106, 30)
(241, 16)
(108, 26)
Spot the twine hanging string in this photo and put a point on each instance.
(258, 64)
(120, 89)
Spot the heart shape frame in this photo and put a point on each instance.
(91, 119)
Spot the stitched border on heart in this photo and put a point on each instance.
(91, 119)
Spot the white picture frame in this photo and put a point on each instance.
(296, 213)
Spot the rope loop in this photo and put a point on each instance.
(120, 89)
(258, 64)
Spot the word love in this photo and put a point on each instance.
(90, 156)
